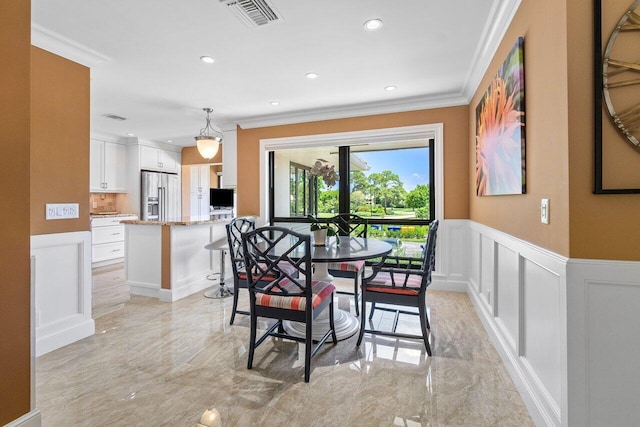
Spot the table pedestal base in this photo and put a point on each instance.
(345, 323)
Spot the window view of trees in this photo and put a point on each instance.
(389, 187)
(378, 195)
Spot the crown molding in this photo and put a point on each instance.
(498, 21)
(67, 48)
(342, 112)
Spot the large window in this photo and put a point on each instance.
(390, 184)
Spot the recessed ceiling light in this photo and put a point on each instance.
(390, 88)
(274, 103)
(373, 24)
(207, 59)
(312, 75)
(131, 134)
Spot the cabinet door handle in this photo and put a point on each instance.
(116, 250)
(115, 234)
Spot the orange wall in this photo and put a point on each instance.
(560, 137)
(15, 346)
(455, 151)
(190, 156)
(602, 226)
(59, 140)
(542, 24)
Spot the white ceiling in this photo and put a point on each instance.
(145, 66)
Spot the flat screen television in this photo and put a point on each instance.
(221, 198)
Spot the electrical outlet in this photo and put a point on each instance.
(544, 211)
(95, 205)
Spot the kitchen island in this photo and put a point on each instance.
(167, 259)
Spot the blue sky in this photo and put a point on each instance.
(411, 165)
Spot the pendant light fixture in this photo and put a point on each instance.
(208, 142)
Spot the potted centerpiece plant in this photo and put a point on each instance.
(321, 232)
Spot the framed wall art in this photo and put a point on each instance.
(500, 130)
(616, 83)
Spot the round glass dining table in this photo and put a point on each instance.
(349, 249)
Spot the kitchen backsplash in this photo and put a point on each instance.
(105, 202)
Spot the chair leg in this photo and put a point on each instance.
(422, 310)
(308, 343)
(235, 302)
(363, 319)
(331, 323)
(252, 340)
(355, 292)
(373, 307)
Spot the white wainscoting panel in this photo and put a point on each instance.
(474, 260)
(604, 344)
(191, 263)
(451, 270)
(541, 322)
(488, 283)
(507, 296)
(62, 265)
(143, 259)
(519, 299)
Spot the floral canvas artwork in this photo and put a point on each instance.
(500, 144)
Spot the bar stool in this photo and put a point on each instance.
(221, 291)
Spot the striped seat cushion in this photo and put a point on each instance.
(320, 290)
(287, 268)
(354, 266)
(382, 283)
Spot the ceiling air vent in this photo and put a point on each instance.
(253, 13)
(114, 117)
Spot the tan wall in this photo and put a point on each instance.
(15, 36)
(602, 226)
(455, 151)
(190, 156)
(59, 140)
(542, 24)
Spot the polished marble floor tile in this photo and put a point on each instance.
(152, 363)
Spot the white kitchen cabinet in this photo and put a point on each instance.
(107, 239)
(230, 160)
(107, 167)
(199, 190)
(157, 159)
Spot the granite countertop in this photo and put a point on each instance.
(110, 214)
(182, 221)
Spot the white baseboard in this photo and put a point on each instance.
(31, 419)
(63, 337)
(171, 295)
(143, 289)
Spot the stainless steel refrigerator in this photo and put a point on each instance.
(160, 196)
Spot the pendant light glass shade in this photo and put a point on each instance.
(208, 142)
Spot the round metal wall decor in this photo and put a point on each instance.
(621, 75)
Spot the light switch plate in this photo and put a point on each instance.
(61, 210)
(544, 211)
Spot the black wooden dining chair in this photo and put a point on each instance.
(277, 292)
(356, 226)
(235, 228)
(395, 281)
